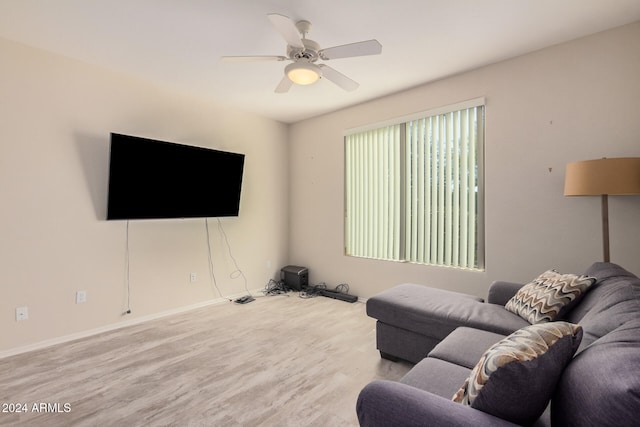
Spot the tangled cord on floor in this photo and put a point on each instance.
(316, 290)
(313, 291)
(277, 287)
(342, 288)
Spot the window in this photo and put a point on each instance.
(413, 190)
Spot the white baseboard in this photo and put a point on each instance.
(123, 324)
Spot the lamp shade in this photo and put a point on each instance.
(616, 176)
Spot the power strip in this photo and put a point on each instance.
(338, 295)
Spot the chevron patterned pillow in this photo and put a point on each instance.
(516, 377)
(548, 296)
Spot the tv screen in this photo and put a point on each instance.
(151, 179)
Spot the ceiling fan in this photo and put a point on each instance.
(305, 53)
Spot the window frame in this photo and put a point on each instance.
(480, 180)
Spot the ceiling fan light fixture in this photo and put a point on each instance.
(303, 73)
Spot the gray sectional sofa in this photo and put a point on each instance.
(447, 333)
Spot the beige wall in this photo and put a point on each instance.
(55, 118)
(575, 101)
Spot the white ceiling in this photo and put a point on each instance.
(178, 43)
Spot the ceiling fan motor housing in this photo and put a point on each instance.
(308, 53)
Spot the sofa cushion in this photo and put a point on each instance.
(500, 291)
(612, 301)
(548, 296)
(516, 377)
(436, 376)
(601, 386)
(606, 274)
(436, 312)
(619, 304)
(465, 346)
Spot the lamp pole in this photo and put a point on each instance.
(605, 227)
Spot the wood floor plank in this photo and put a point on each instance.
(278, 361)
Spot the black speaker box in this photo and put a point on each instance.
(294, 277)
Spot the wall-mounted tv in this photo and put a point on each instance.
(150, 179)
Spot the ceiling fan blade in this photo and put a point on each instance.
(284, 85)
(287, 28)
(369, 47)
(338, 78)
(252, 58)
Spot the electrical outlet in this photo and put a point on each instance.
(81, 297)
(193, 277)
(22, 313)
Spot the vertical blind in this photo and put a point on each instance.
(373, 193)
(413, 190)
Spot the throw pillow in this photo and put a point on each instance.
(548, 296)
(516, 377)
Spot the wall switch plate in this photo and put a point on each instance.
(193, 277)
(81, 297)
(22, 313)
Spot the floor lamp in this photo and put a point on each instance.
(603, 177)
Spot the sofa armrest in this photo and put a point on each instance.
(387, 403)
(500, 292)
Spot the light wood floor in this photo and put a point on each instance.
(277, 361)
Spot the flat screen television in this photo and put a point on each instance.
(150, 179)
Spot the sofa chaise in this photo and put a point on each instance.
(580, 365)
